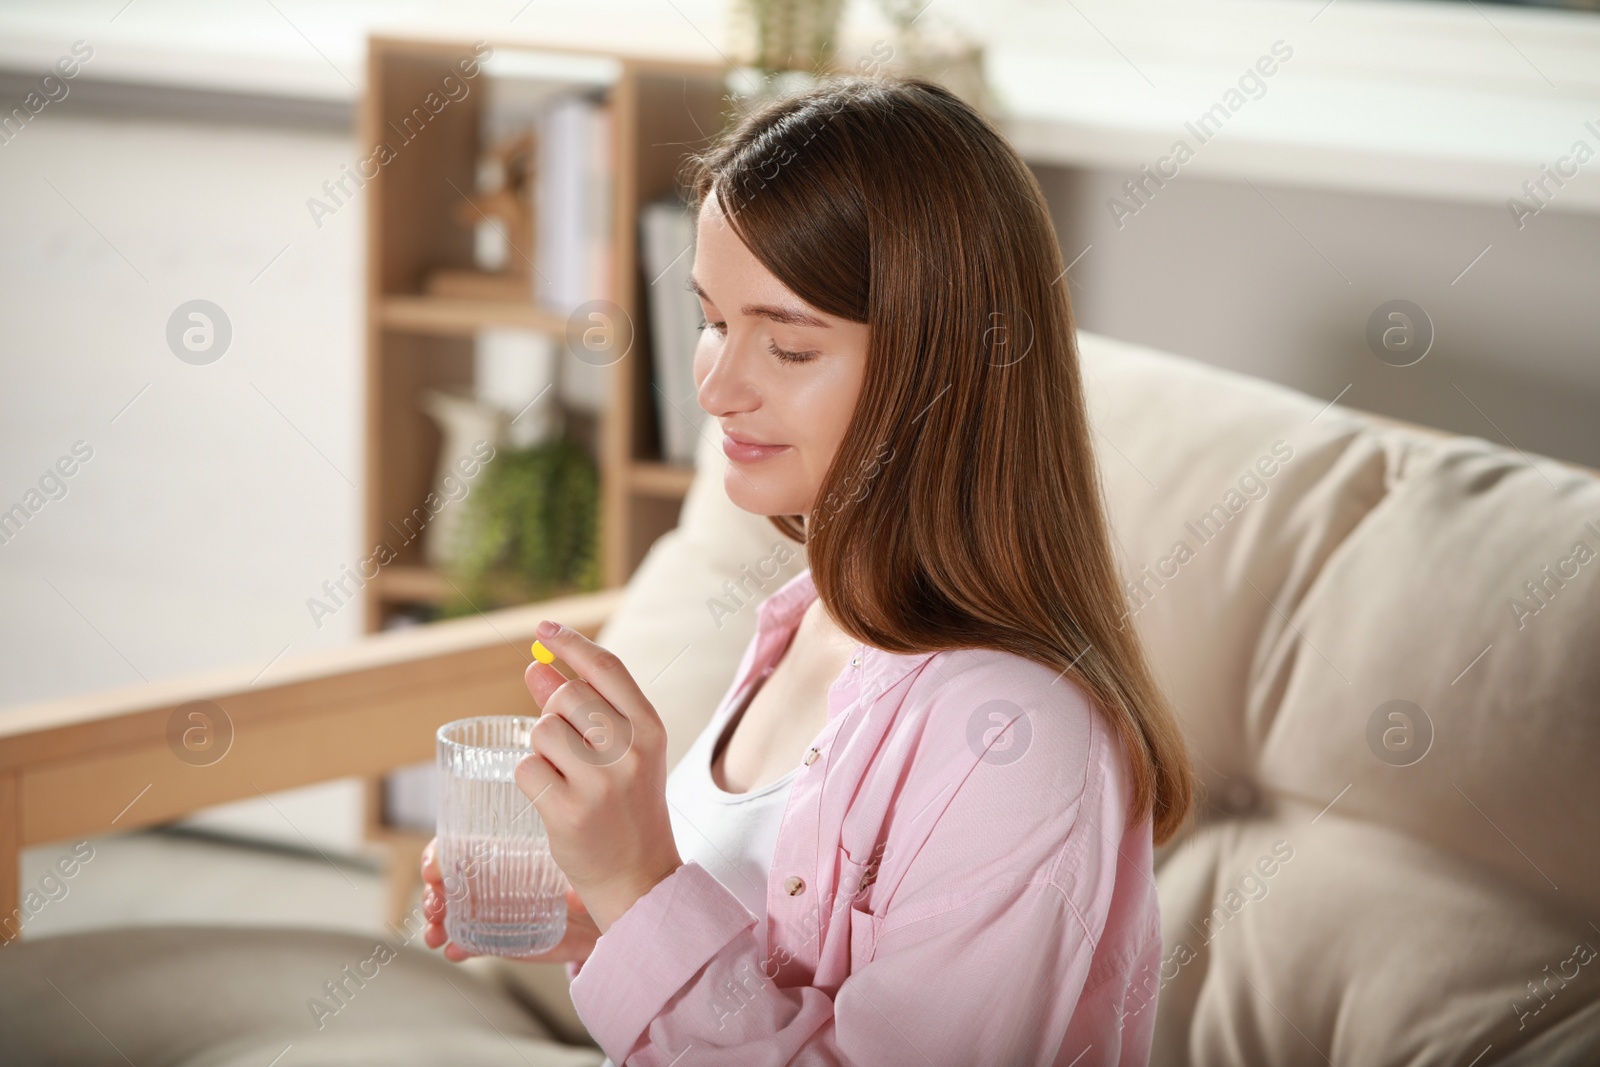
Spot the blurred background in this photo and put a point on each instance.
(230, 372)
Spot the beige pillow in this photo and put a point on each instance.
(1227, 495)
(1420, 604)
(1293, 942)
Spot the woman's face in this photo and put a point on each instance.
(773, 371)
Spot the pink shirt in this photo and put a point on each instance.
(955, 882)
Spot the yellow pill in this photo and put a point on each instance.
(542, 654)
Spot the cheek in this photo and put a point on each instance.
(823, 428)
(821, 407)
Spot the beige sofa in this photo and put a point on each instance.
(1382, 643)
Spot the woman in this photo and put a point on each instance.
(966, 759)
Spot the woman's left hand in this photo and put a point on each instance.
(598, 776)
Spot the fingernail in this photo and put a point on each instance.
(548, 628)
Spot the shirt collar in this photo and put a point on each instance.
(782, 610)
(778, 617)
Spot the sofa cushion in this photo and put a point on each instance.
(1226, 496)
(1472, 594)
(1290, 941)
(196, 996)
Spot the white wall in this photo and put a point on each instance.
(205, 518)
(1280, 283)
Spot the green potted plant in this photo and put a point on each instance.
(531, 528)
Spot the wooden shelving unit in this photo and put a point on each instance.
(411, 585)
(661, 109)
(668, 480)
(446, 316)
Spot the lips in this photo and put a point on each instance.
(748, 451)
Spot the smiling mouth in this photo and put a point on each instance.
(739, 452)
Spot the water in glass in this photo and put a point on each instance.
(505, 896)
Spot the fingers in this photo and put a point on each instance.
(579, 729)
(430, 864)
(536, 778)
(433, 934)
(593, 732)
(599, 667)
(542, 681)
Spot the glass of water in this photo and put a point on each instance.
(504, 894)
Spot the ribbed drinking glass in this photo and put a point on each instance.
(504, 894)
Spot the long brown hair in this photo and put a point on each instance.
(963, 508)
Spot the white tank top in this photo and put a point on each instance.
(731, 835)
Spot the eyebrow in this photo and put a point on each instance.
(785, 315)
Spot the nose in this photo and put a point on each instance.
(726, 388)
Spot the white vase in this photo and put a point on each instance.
(466, 427)
(515, 371)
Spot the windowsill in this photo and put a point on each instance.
(1448, 100)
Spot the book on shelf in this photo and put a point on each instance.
(666, 253)
(559, 109)
(573, 220)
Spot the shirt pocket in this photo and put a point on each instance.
(855, 893)
(863, 937)
(855, 881)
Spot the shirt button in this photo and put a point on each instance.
(856, 662)
(794, 886)
(811, 757)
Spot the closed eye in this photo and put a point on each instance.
(783, 355)
(786, 356)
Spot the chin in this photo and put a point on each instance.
(749, 492)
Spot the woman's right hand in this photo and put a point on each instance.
(575, 944)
